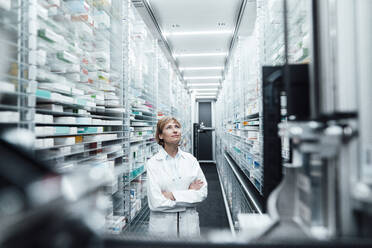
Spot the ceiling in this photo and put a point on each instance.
(198, 35)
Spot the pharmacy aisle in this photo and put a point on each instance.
(275, 92)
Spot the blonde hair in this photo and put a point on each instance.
(160, 126)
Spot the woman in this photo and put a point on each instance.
(175, 184)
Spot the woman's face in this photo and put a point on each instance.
(171, 133)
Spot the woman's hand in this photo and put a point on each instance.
(196, 185)
(168, 195)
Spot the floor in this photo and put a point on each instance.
(212, 212)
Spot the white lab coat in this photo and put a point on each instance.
(175, 177)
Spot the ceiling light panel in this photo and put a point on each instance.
(210, 85)
(206, 90)
(213, 45)
(202, 78)
(217, 54)
(206, 97)
(191, 15)
(201, 68)
(206, 93)
(201, 61)
(198, 33)
(202, 73)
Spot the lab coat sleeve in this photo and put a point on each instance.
(156, 200)
(191, 197)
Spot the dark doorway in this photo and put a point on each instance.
(205, 140)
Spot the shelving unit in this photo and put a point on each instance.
(239, 128)
(83, 78)
(239, 121)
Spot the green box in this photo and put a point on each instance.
(88, 130)
(62, 130)
(43, 93)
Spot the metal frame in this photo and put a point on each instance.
(243, 184)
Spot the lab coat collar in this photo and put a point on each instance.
(162, 154)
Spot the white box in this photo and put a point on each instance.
(111, 96)
(64, 141)
(39, 118)
(7, 87)
(82, 111)
(73, 76)
(84, 120)
(39, 143)
(61, 98)
(97, 121)
(39, 131)
(49, 130)
(112, 103)
(73, 130)
(42, 12)
(77, 92)
(48, 142)
(48, 118)
(91, 138)
(73, 68)
(65, 120)
(41, 57)
(51, 107)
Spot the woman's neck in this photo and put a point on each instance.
(171, 149)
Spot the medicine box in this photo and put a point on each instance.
(51, 107)
(65, 120)
(43, 131)
(84, 120)
(9, 116)
(7, 87)
(64, 141)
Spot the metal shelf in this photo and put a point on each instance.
(76, 134)
(77, 125)
(143, 111)
(139, 213)
(142, 139)
(56, 113)
(83, 151)
(243, 184)
(81, 143)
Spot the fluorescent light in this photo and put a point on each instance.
(199, 54)
(205, 94)
(210, 32)
(210, 89)
(201, 68)
(207, 77)
(203, 85)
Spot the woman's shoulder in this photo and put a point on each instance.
(188, 155)
(154, 159)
